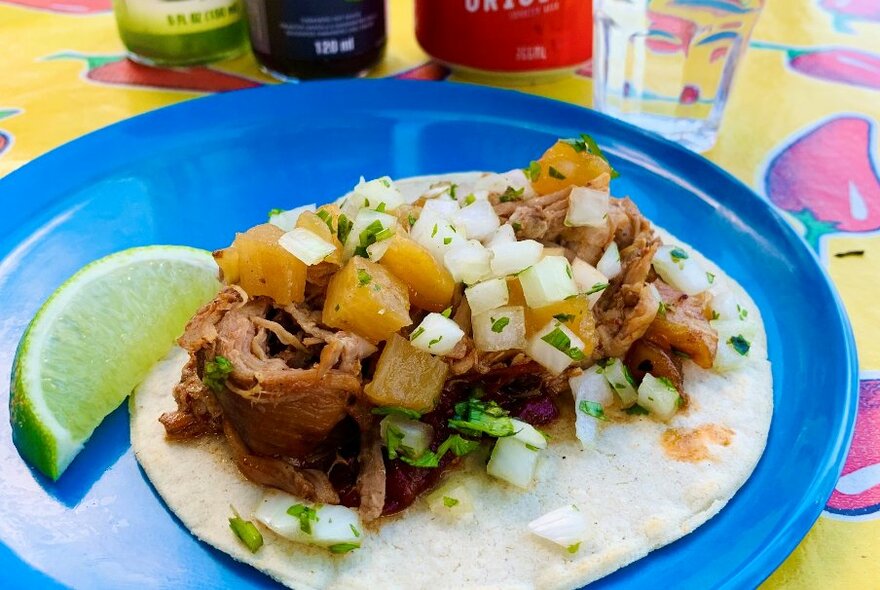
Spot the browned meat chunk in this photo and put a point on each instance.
(540, 218)
(628, 306)
(682, 325)
(645, 357)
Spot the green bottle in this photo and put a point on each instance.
(181, 32)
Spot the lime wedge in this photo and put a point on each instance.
(95, 339)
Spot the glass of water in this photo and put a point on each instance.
(667, 65)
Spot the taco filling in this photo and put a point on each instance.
(361, 350)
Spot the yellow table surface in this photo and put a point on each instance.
(800, 128)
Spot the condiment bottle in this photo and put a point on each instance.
(303, 39)
(181, 32)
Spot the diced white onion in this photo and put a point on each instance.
(286, 220)
(590, 386)
(685, 274)
(621, 382)
(588, 280)
(377, 250)
(436, 334)
(493, 183)
(548, 281)
(478, 219)
(502, 235)
(513, 462)
(505, 336)
(334, 525)
(487, 295)
(609, 264)
(374, 193)
(417, 435)
(548, 356)
(586, 207)
(516, 178)
(659, 398)
(514, 257)
(468, 262)
(439, 190)
(528, 434)
(566, 526)
(727, 309)
(442, 208)
(309, 247)
(727, 356)
(436, 234)
(451, 500)
(364, 219)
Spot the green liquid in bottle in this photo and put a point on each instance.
(181, 32)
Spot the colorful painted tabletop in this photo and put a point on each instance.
(800, 128)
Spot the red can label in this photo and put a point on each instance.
(506, 35)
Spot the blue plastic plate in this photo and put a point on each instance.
(197, 172)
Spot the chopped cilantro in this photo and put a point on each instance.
(742, 311)
(636, 410)
(661, 309)
(667, 383)
(594, 149)
(710, 277)
(435, 341)
(455, 443)
(434, 231)
(343, 547)
(385, 182)
(476, 417)
(393, 440)
(406, 412)
(452, 189)
(216, 372)
(554, 173)
(469, 199)
(381, 208)
(247, 532)
(354, 530)
(628, 376)
(364, 277)
(446, 312)
(418, 332)
(274, 212)
(564, 317)
(326, 217)
(573, 548)
(516, 225)
(677, 255)
(533, 171)
(411, 219)
(593, 409)
(740, 344)
(449, 502)
(306, 516)
(511, 194)
(447, 241)
(597, 287)
(499, 324)
(561, 342)
(343, 227)
(577, 144)
(715, 315)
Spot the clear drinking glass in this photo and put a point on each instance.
(667, 65)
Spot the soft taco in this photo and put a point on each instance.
(470, 380)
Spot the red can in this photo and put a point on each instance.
(517, 40)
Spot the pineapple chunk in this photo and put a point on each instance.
(574, 313)
(366, 299)
(407, 377)
(515, 293)
(316, 225)
(227, 260)
(264, 267)
(430, 284)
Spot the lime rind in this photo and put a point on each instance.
(94, 339)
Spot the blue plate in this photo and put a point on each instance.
(197, 172)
